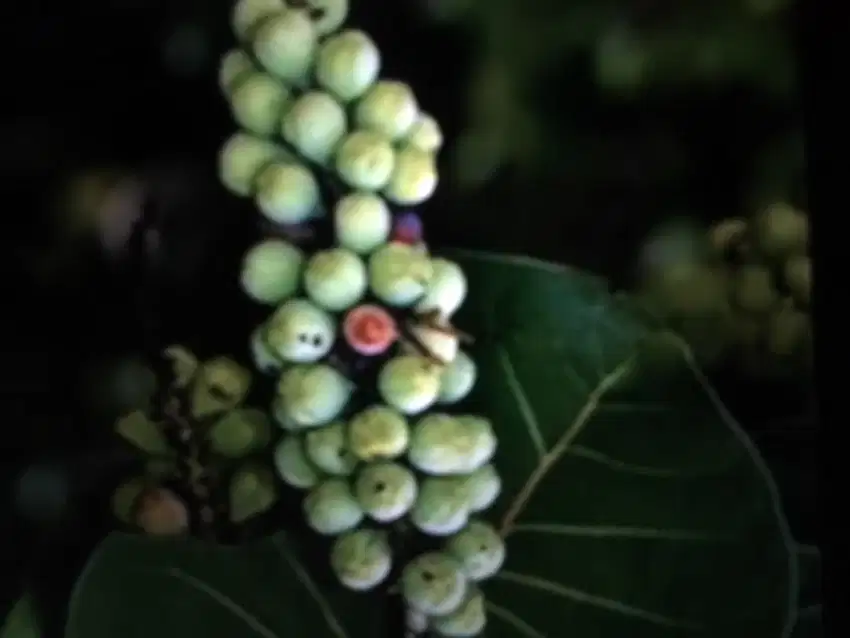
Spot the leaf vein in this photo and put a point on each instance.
(579, 596)
(523, 403)
(624, 406)
(808, 550)
(617, 465)
(617, 531)
(222, 599)
(324, 607)
(773, 489)
(562, 445)
(513, 620)
(809, 610)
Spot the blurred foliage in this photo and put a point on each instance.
(630, 51)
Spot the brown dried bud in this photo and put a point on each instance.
(160, 512)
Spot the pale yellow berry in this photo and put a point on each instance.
(257, 101)
(362, 222)
(388, 108)
(348, 64)
(247, 14)
(287, 193)
(425, 134)
(234, 64)
(414, 177)
(285, 45)
(315, 125)
(365, 160)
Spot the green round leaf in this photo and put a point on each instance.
(810, 613)
(633, 504)
(21, 621)
(138, 586)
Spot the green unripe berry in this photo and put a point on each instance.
(362, 222)
(335, 279)
(313, 395)
(261, 354)
(287, 193)
(442, 506)
(138, 429)
(388, 108)
(348, 64)
(385, 491)
(781, 231)
(240, 160)
(327, 15)
(300, 332)
(458, 379)
(788, 330)
(414, 177)
(271, 271)
(798, 276)
(415, 621)
(285, 44)
(331, 509)
(399, 274)
(327, 448)
(256, 101)
(483, 487)
(378, 432)
(409, 383)
(480, 440)
(361, 559)
(292, 465)
(365, 160)
(252, 492)
(434, 584)
(247, 14)
(425, 134)
(234, 65)
(220, 384)
(444, 445)
(282, 417)
(479, 549)
(467, 621)
(239, 433)
(753, 289)
(315, 125)
(446, 290)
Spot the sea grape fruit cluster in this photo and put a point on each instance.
(308, 96)
(359, 338)
(199, 444)
(744, 292)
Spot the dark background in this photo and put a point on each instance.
(116, 83)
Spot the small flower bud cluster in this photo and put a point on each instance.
(749, 298)
(359, 338)
(198, 443)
